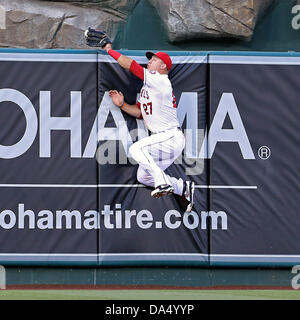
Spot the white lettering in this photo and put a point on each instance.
(190, 308)
(187, 111)
(112, 219)
(14, 151)
(188, 108)
(3, 219)
(295, 279)
(48, 123)
(186, 220)
(168, 222)
(128, 215)
(114, 309)
(142, 217)
(68, 215)
(118, 214)
(92, 220)
(214, 219)
(2, 278)
(227, 106)
(46, 220)
(2, 18)
(23, 214)
(296, 19)
(107, 213)
(153, 309)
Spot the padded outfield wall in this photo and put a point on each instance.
(68, 188)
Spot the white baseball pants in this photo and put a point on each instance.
(156, 153)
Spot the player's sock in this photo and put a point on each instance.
(184, 188)
(189, 194)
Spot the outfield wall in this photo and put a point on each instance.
(68, 188)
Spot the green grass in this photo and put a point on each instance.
(149, 295)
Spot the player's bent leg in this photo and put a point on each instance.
(177, 185)
(145, 177)
(139, 151)
(169, 150)
(157, 153)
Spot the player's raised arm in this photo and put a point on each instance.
(125, 62)
(100, 39)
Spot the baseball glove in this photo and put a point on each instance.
(96, 38)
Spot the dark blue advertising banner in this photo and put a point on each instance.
(48, 106)
(71, 193)
(143, 229)
(255, 161)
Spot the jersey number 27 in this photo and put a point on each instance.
(148, 108)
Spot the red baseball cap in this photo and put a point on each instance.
(161, 55)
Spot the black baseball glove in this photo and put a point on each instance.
(96, 38)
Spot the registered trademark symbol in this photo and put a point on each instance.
(264, 152)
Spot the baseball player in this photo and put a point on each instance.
(157, 107)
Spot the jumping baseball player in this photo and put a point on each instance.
(157, 107)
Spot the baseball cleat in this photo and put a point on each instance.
(189, 195)
(162, 190)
